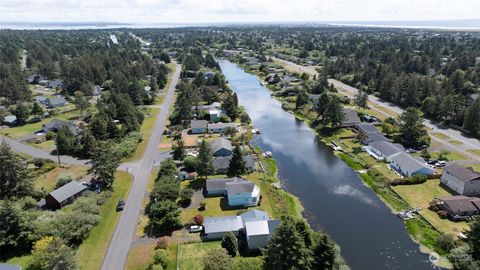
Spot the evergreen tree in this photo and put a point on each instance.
(361, 99)
(167, 169)
(87, 141)
(22, 112)
(66, 141)
(230, 244)
(104, 163)
(205, 160)
(15, 180)
(286, 249)
(179, 150)
(474, 239)
(81, 103)
(37, 109)
(15, 229)
(51, 253)
(472, 118)
(164, 214)
(413, 133)
(302, 99)
(237, 165)
(325, 253)
(333, 114)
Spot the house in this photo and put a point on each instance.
(220, 127)
(239, 191)
(220, 164)
(213, 106)
(255, 225)
(382, 150)
(9, 120)
(41, 99)
(198, 126)
(4, 266)
(55, 125)
(56, 102)
(209, 75)
(64, 195)
(350, 118)
(214, 115)
(221, 147)
(407, 165)
(96, 90)
(462, 180)
(43, 82)
(459, 207)
(370, 132)
(55, 84)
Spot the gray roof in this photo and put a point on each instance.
(198, 123)
(55, 83)
(221, 125)
(10, 119)
(240, 186)
(387, 148)
(351, 117)
(376, 136)
(407, 162)
(461, 203)
(57, 124)
(474, 97)
(460, 172)
(57, 101)
(40, 99)
(4, 266)
(222, 163)
(67, 191)
(255, 215)
(220, 183)
(96, 90)
(222, 224)
(366, 128)
(220, 143)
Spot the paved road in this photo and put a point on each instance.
(393, 111)
(123, 236)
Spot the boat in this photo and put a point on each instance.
(267, 154)
(255, 131)
(336, 147)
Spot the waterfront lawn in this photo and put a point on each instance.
(421, 195)
(91, 252)
(146, 130)
(190, 255)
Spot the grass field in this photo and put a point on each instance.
(190, 255)
(91, 252)
(146, 130)
(420, 195)
(474, 151)
(48, 180)
(140, 257)
(440, 135)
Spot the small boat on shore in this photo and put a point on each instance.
(255, 131)
(336, 147)
(268, 154)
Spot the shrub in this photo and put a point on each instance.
(417, 179)
(50, 136)
(161, 243)
(186, 195)
(160, 257)
(203, 205)
(62, 180)
(217, 259)
(224, 119)
(230, 244)
(129, 144)
(156, 267)
(198, 219)
(38, 162)
(446, 242)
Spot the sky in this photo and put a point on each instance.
(218, 11)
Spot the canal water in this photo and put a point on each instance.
(333, 195)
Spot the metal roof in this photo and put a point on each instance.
(220, 183)
(460, 172)
(387, 148)
(351, 116)
(67, 191)
(407, 163)
(222, 224)
(236, 187)
(257, 227)
(198, 123)
(222, 163)
(220, 143)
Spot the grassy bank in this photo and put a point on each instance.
(91, 252)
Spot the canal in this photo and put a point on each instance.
(333, 195)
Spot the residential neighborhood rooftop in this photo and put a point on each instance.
(461, 172)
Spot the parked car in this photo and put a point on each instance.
(432, 162)
(120, 205)
(441, 163)
(196, 228)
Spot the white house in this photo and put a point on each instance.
(239, 191)
(407, 165)
(461, 180)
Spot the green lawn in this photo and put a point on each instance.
(421, 195)
(91, 252)
(146, 130)
(452, 155)
(474, 151)
(140, 257)
(48, 180)
(190, 255)
(49, 145)
(440, 135)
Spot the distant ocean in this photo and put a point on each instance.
(473, 24)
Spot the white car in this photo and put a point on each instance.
(196, 228)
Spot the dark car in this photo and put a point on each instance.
(432, 162)
(120, 205)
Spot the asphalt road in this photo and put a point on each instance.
(393, 111)
(123, 236)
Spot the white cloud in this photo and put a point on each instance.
(192, 11)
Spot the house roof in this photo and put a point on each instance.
(55, 83)
(10, 119)
(67, 191)
(255, 215)
(351, 117)
(461, 203)
(222, 224)
(387, 148)
(220, 143)
(376, 137)
(96, 90)
(407, 162)
(198, 123)
(221, 125)
(460, 172)
(257, 227)
(220, 163)
(57, 101)
(220, 183)
(235, 187)
(366, 128)
(57, 124)
(40, 98)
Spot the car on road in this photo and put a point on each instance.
(440, 163)
(196, 228)
(120, 205)
(432, 162)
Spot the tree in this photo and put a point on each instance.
(333, 113)
(237, 165)
(167, 169)
(472, 118)
(198, 219)
(15, 180)
(286, 249)
(217, 259)
(179, 150)
(62, 180)
(51, 253)
(37, 109)
(164, 214)
(166, 188)
(81, 103)
(22, 112)
(160, 257)
(87, 142)
(104, 163)
(302, 99)
(389, 126)
(67, 143)
(412, 131)
(205, 160)
(474, 238)
(361, 99)
(190, 163)
(14, 227)
(230, 243)
(325, 253)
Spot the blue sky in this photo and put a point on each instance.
(205, 11)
